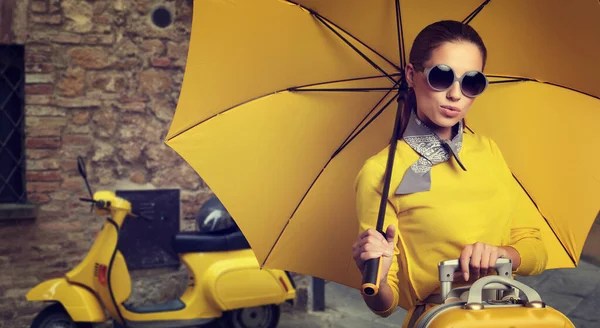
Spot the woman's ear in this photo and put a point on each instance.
(410, 75)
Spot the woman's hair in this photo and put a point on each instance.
(430, 38)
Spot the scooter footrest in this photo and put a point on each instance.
(174, 305)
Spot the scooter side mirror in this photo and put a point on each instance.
(81, 167)
(83, 173)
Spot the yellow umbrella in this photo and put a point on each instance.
(282, 102)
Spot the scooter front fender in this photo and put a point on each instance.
(80, 303)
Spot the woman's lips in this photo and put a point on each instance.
(450, 111)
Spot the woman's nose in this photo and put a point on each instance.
(454, 93)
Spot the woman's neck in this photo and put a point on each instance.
(444, 133)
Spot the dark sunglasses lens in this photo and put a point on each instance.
(441, 77)
(473, 84)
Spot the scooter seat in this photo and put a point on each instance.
(202, 242)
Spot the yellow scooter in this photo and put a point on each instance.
(226, 285)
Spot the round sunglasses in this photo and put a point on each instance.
(441, 77)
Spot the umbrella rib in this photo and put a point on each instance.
(542, 215)
(469, 128)
(572, 89)
(524, 79)
(344, 144)
(511, 80)
(355, 133)
(475, 12)
(365, 57)
(272, 93)
(339, 81)
(316, 14)
(521, 79)
(545, 219)
(345, 89)
(400, 33)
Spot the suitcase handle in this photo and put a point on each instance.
(447, 268)
(474, 301)
(457, 292)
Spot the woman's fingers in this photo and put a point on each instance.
(489, 256)
(369, 240)
(370, 245)
(493, 259)
(464, 260)
(370, 255)
(375, 247)
(365, 256)
(372, 232)
(372, 238)
(390, 234)
(478, 259)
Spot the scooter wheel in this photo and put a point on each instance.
(55, 316)
(266, 316)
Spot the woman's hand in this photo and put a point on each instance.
(479, 259)
(370, 245)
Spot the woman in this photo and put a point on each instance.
(452, 194)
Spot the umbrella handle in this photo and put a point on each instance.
(371, 277)
(372, 271)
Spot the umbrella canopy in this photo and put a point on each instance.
(283, 101)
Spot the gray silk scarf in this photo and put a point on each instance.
(433, 151)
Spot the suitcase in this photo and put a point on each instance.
(491, 301)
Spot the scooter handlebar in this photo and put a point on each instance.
(98, 203)
(106, 205)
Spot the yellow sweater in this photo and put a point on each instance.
(483, 204)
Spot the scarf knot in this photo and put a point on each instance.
(432, 151)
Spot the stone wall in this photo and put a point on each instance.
(102, 81)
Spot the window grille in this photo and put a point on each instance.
(12, 127)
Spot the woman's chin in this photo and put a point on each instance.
(446, 122)
(439, 120)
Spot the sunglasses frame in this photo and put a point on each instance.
(427, 71)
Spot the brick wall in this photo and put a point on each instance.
(102, 82)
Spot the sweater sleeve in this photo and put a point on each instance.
(525, 221)
(368, 188)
